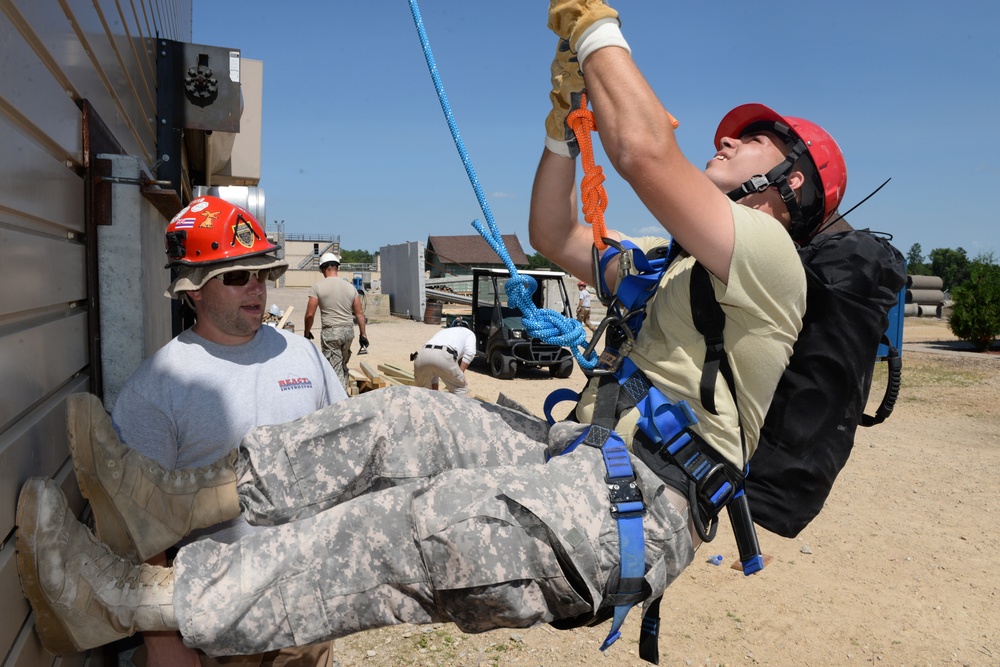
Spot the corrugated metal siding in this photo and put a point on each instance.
(53, 55)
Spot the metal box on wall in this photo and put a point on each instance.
(205, 85)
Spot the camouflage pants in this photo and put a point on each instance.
(400, 506)
(336, 345)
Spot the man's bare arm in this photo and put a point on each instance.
(638, 138)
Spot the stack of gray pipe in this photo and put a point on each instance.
(925, 297)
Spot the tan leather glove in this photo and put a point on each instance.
(567, 89)
(570, 18)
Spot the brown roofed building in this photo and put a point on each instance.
(456, 255)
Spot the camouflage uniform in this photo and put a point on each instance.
(336, 344)
(407, 507)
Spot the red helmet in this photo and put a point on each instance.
(210, 230)
(824, 189)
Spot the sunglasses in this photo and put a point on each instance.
(242, 277)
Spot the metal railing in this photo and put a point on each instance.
(317, 238)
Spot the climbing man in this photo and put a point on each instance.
(583, 306)
(339, 308)
(409, 506)
(446, 357)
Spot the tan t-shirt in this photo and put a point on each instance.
(336, 302)
(763, 303)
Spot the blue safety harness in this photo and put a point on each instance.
(664, 440)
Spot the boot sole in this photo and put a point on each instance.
(109, 527)
(53, 632)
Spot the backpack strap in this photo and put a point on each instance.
(710, 321)
(884, 409)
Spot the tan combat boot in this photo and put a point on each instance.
(83, 594)
(140, 508)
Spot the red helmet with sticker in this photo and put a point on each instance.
(825, 189)
(210, 230)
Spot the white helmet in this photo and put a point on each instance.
(328, 258)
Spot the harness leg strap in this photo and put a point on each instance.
(649, 635)
(627, 508)
(751, 558)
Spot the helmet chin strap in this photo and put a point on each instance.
(777, 177)
(799, 227)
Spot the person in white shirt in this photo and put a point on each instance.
(583, 305)
(445, 357)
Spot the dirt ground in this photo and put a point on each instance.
(898, 569)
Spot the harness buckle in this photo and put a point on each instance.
(725, 492)
(626, 498)
(756, 183)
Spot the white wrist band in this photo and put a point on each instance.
(561, 148)
(605, 32)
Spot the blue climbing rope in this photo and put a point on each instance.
(543, 323)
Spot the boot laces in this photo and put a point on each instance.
(122, 572)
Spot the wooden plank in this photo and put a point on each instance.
(284, 318)
(395, 371)
(367, 369)
(392, 379)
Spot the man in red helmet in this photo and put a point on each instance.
(774, 180)
(204, 390)
(733, 217)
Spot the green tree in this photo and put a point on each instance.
(915, 264)
(952, 266)
(975, 317)
(356, 257)
(539, 261)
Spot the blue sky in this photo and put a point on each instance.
(355, 142)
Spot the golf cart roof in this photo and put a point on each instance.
(538, 273)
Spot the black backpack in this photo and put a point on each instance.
(853, 279)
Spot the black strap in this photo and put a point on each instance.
(649, 645)
(450, 350)
(606, 408)
(891, 388)
(710, 321)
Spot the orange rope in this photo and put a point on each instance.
(592, 193)
(595, 199)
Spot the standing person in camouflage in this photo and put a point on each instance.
(406, 506)
(339, 307)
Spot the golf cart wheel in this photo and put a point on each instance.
(502, 366)
(562, 370)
